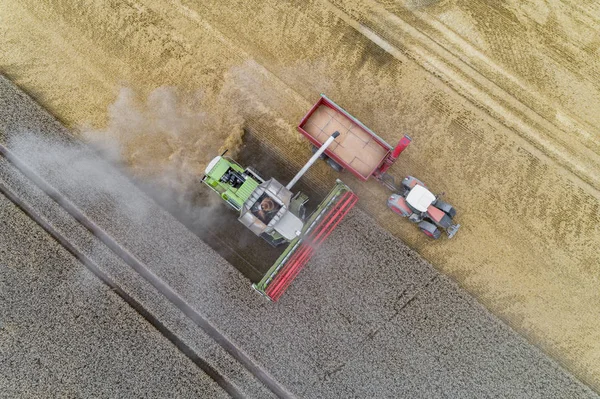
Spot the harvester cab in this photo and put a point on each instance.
(270, 210)
(267, 208)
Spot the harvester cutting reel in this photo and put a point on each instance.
(421, 206)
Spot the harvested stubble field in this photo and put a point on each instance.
(501, 100)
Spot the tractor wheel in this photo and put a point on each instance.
(334, 165)
(430, 230)
(314, 151)
(446, 207)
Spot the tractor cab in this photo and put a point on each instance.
(420, 198)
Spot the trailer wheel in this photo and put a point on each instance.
(334, 165)
(314, 151)
(430, 230)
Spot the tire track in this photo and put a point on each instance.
(231, 389)
(402, 40)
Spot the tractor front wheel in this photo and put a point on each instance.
(430, 230)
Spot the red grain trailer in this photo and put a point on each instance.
(358, 149)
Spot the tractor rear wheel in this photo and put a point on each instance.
(446, 207)
(430, 230)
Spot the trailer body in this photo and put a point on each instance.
(358, 149)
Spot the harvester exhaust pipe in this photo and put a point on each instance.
(312, 160)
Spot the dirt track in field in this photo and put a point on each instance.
(501, 101)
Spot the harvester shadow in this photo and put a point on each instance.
(221, 230)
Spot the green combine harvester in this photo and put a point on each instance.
(272, 211)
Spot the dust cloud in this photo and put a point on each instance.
(169, 136)
(72, 169)
(163, 140)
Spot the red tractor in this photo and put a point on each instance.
(421, 206)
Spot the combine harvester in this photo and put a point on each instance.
(270, 210)
(273, 212)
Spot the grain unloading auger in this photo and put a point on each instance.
(270, 210)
